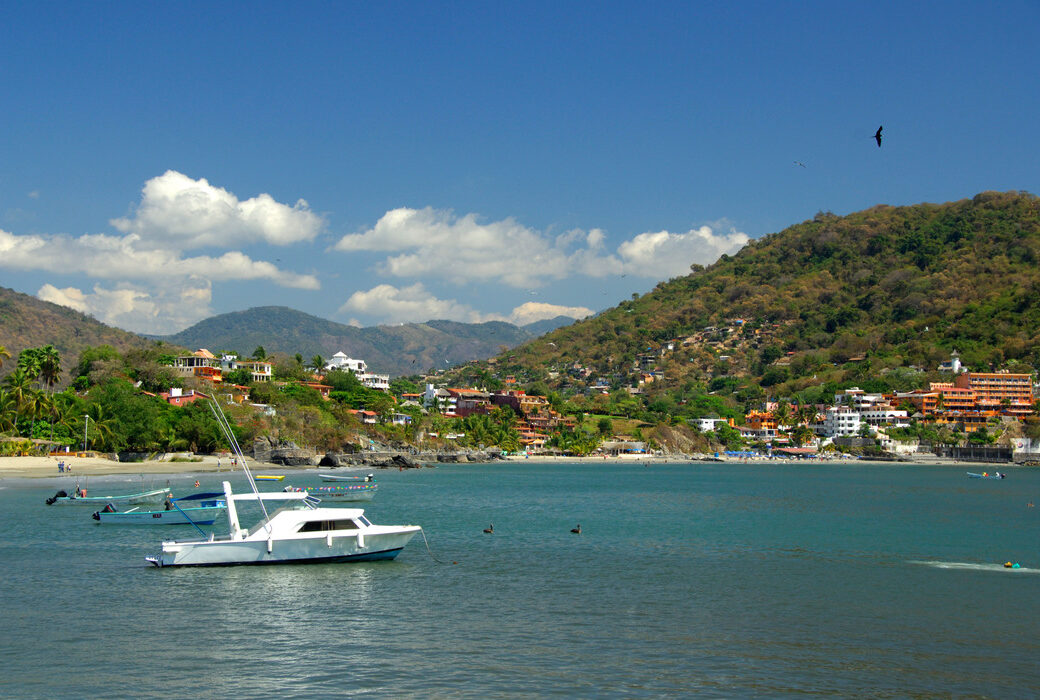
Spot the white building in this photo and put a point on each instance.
(707, 425)
(953, 365)
(260, 369)
(838, 421)
(341, 362)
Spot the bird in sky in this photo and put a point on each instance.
(798, 162)
(877, 137)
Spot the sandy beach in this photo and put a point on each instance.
(47, 467)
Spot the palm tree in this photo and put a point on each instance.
(782, 414)
(50, 366)
(20, 389)
(3, 353)
(317, 363)
(8, 411)
(100, 425)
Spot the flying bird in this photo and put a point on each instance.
(877, 137)
(798, 162)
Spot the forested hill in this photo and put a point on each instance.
(27, 322)
(403, 349)
(886, 287)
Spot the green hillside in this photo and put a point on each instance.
(27, 322)
(865, 297)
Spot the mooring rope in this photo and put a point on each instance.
(428, 548)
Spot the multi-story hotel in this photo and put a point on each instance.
(992, 389)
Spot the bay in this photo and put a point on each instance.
(715, 580)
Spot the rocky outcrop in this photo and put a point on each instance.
(286, 454)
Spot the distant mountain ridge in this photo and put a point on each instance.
(404, 349)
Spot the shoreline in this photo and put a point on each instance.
(47, 467)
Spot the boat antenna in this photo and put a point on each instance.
(229, 435)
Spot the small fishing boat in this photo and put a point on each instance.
(352, 492)
(269, 477)
(79, 497)
(986, 475)
(297, 533)
(344, 477)
(198, 508)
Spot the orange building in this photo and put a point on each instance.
(993, 389)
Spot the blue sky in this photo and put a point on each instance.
(391, 162)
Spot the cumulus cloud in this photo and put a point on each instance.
(437, 242)
(663, 254)
(174, 305)
(534, 311)
(424, 242)
(179, 212)
(415, 304)
(119, 257)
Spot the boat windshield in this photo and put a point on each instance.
(326, 525)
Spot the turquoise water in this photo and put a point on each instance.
(708, 580)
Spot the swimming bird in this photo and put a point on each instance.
(576, 530)
(490, 529)
(877, 137)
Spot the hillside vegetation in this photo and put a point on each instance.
(831, 299)
(27, 322)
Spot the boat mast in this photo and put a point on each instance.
(229, 435)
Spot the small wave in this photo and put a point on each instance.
(968, 566)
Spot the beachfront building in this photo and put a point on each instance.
(838, 421)
(996, 390)
(707, 425)
(340, 361)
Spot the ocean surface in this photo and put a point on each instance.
(707, 580)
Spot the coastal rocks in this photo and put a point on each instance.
(287, 454)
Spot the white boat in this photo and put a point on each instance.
(197, 509)
(344, 477)
(299, 532)
(349, 492)
(79, 497)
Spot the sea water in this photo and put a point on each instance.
(709, 580)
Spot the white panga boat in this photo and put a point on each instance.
(351, 492)
(299, 532)
(344, 477)
(198, 509)
(79, 497)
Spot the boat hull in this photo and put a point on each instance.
(318, 548)
(149, 498)
(199, 516)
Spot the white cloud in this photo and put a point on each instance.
(35, 194)
(175, 305)
(535, 311)
(178, 212)
(663, 255)
(415, 304)
(412, 304)
(120, 257)
(428, 242)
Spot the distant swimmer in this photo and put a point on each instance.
(877, 137)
